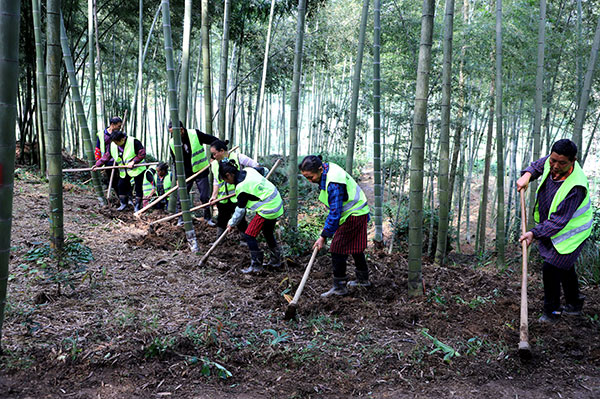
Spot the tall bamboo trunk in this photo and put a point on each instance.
(500, 228)
(377, 124)
(356, 87)
(76, 97)
(415, 234)
(190, 233)
(482, 217)
(140, 69)
(54, 139)
(294, 100)
(206, 78)
(41, 82)
(92, 68)
(9, 65)
(223, 70)
(443, 184)
(184, 80)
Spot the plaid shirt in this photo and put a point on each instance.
(336, 195)
(549, 226)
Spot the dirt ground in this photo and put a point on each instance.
(145, 321)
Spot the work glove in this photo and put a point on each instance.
(237, 217)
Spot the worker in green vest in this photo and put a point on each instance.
(346, 222)
(563, 214)
(156, 181)
(125, 150)
(103, 145)
(194, 160)
(257, 194)
(219, 152)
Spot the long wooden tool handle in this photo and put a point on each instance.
(215, 244)
(112, 175)
(305, 277)
(524, 329)
(173, 216)
(192, 177)
(110, 167)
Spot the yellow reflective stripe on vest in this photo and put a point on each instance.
(224, 188)
(198, 160)
(579, 227)
(149, 185)
(126, 157)
(270, 204)
(356, 205)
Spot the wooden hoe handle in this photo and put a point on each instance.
(304, 277)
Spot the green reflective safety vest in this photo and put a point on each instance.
(149, 183)
(356, 204)
(270, 204)
(126, 157)
(580, 226)
(199, 159)
(224, 188)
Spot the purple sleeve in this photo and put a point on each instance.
(536, 168)
(105, 158)
(559, 219)
(140, 151)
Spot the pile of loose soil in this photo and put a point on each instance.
(144, 320)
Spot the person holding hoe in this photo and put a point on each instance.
(125, 150)
(563, 215)
(346, 222)
(194, 160)
(254, 192)
(157, 180)
(225, 208)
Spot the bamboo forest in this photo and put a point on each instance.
(299, 199)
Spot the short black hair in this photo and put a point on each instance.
(115, 119)
(117, 135)
(565, 147)
(180, 125)
(162, 166)
(228, 166)
(220, 145)
(311, 163)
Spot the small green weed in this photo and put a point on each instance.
(448, 351)
(278, 338)
(434, 295)
(210, 367)
(159, 346)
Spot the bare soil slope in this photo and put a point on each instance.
(145, 321)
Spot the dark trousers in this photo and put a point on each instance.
(553, 278)
(268, 230)
(203, 187)
(125, 185)
(226, 209)
(338, 261)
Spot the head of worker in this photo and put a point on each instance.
(162, 169)
(181, 128)
(562, 158)
(228, 171)
(118, 137)
(116, 124)
(219, 150)
(311, 167)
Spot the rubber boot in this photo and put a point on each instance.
(362, 279)
(138, 204)
(123, 201)
(275, 259)
(256, 260)
(338, 288)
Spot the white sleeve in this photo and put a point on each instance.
(246, 161)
